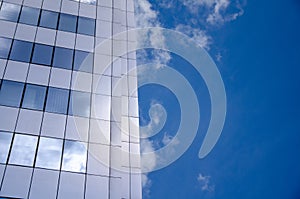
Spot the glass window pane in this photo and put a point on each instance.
(91, 2)
(83, 61)
(11, 93)
(74, 157)
(10, 12)
(4, 47)
(34, 97)
(42, 54)
(49, 19)
(29, 15)
(57, 100)
(23, 150)
(63, 58)
(49, 153)
(21, 51)
(79, 104)
(67, 23)
(5, 140)
(86, 26)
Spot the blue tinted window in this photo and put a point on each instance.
(42, 54)
(57, 100)
(63, 58)
(83, 61)
(21, 51)
(79, 104)
(10, 12)
(4, 47)
(86, 26)
(67, 22)
(29, 16)
(5, 140)
(11, 93)
(49, 19)
(34, 97)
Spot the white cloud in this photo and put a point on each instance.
(205, 183)
(168, 138)
(147, 163)
(216, 16)
(147, 183)
(158, 116)
(216, 10)
(147, 147)
(146, 17)
(196, 34)
(219, 56)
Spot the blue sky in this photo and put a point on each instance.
(256, 46)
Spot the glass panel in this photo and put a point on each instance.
(86, 26)
(74, 157)
(16, 182)
(29, 16)
(71, 186)
(10, 12)
(49, 153)
(34, 97)
(92, 2)
(11, 93)
(44, 184)
(67, 22)
(63, 58)
(4, 47)
(80, 104)
(23, 150)
(21, 51)
(42, 54)
(49, 19)
(83, 61)
(5, 140)
(57, 100)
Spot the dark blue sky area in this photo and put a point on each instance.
(258, 153)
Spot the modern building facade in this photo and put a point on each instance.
(68, 106)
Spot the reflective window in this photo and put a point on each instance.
(83, 61)
(42, 54)
(57, 100)
(49, 153)
(74, 156)
(49, 19)
(63, 58)
(92, 2)
(5, 140)
(34, 97)
(86, 26)
(4, 47)
(23, 150)
(79, 104)
(29, 16)
(11, 93)
(21, 51)
(10, 12)
(67, 22)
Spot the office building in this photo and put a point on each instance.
(68, 107)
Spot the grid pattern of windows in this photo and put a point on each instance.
(47, 19)
(61, 134)
(51, 153)
(47, 99)
(41, 54)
